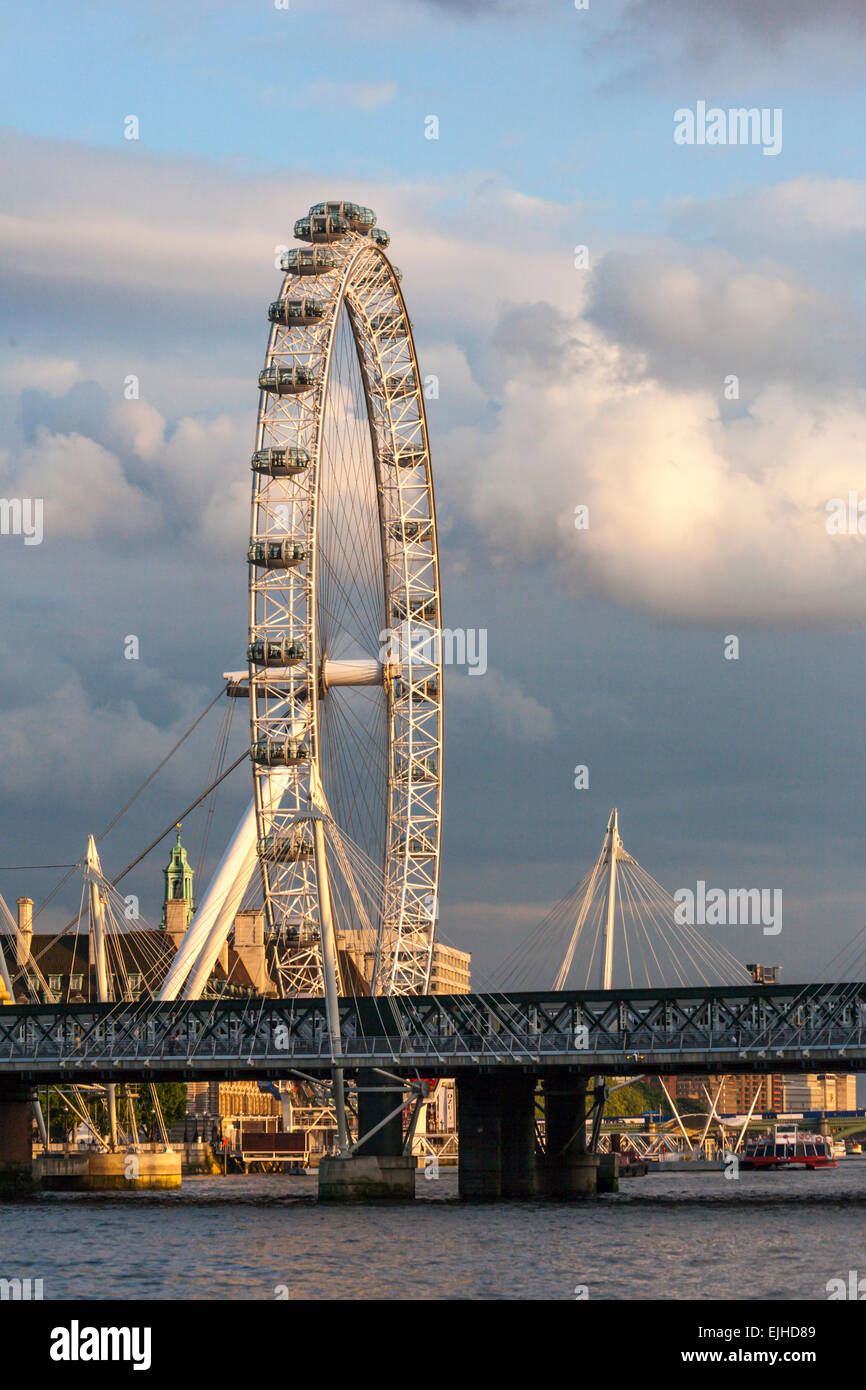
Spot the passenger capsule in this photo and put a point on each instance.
(422, 609)
(420, 846)
(410, 457)
(279, 651)
(282, 848)
(424, 769)
(302, 934)
(321, 227)
(279, 752)
(281, 463)
(276, 555)
(421, 690)
(359, 219)
(401, 384)
(412, 531)
(314, 260)
(288, 381)
(294, 313)
(390, 326)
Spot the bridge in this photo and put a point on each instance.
(747, 1028)
(498, 1046)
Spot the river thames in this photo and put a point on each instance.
(664, 1236)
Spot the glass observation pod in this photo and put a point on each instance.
(420, 846)
(359, 219)
(279, 652)
(313, 260)
(321, 227)
(288, 381)
(423, 609)
(376, 234)
(296, 312)
(417, 769)
(279, 752)
(276, 555)
(422, 690)
(391, 325)
(405, 458)
(402, 384)
(365, 220)
(285, 849)
(303, 933)
(412, 530)
(281, 463)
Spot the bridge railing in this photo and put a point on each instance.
(753, 1024)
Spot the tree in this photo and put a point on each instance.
(172, 1100)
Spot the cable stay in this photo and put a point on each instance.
(618, 927)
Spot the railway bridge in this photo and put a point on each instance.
(498, 1046)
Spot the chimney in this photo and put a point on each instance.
(249, 943)
(25, 931)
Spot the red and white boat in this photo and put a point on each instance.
(789, 1147)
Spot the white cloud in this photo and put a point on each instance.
(86, 495)
(603, 389)
(363, 96)
(18, 370)
(698, 316)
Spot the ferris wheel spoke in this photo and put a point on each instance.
(362, 764)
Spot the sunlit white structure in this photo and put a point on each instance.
(344, 677)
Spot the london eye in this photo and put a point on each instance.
(345, 679)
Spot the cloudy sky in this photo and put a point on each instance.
(597, 379)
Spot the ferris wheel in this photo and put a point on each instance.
(345, 676)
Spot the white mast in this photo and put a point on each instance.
(212, 922)
(330, 958)
(612, 845)
(100, 960)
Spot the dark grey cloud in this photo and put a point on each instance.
(771, 21)
(540, 337)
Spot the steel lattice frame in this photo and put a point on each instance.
(287, 704)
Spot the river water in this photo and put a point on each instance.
(669, 1236)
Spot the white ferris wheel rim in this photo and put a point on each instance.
(361, 296)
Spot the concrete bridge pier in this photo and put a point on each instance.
(519, 1175)
(16, 1144)
(479, 1129)
(378, 1170)
(569, 1171)
(496, 1128)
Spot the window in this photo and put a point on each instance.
(76, 983)
(54, 983)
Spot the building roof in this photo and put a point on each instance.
(147, 953)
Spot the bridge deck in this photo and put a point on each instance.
(758, 1028)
